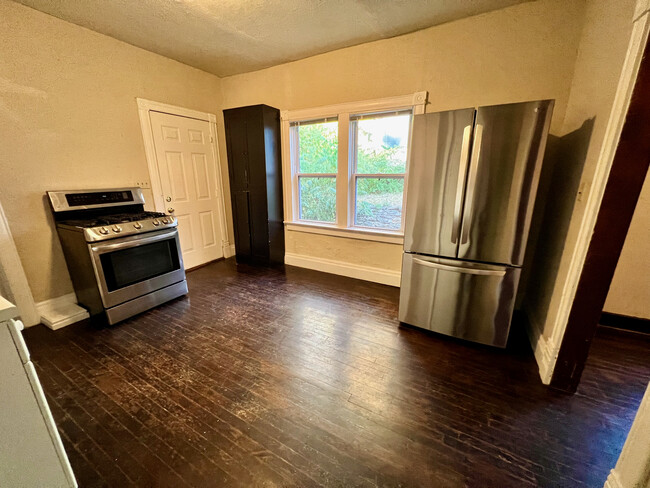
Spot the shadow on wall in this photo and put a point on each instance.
(60, 282)
(559, 183)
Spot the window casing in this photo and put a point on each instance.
(367, 185)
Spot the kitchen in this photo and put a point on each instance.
(70, 118)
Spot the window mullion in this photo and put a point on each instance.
(352, 177)
(343, 171)
(317, 175)
(294, 162)
(381, 175)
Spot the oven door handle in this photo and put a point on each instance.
(135, 241)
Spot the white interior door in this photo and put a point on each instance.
(187, 170)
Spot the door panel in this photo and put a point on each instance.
(187, 169)
(461, 299)
(504, 172)
(185, 232)
(207, 228)
(201, 176)
(176, 173)
(436, 181)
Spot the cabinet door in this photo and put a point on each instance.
(256, 150)
(259, 223)
(240, 210)
(237, 145)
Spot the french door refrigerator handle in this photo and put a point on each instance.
(460, 185)
(471, 183)
(459, 269)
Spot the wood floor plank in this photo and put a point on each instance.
(267, 377)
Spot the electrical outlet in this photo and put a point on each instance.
(144, 184)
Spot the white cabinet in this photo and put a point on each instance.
(31, 452)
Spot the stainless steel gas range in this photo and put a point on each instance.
(122, 259)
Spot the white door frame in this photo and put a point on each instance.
(146, 106)
(627, 79)
(17, 284)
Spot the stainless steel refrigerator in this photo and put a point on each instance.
(471, 188)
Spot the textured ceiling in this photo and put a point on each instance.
(227, 37)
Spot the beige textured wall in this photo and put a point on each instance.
(603, 45)
(629, 293)
(525, 52)
(69, 119)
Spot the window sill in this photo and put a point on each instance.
(389, 237)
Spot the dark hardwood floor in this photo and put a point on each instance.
(266, 378)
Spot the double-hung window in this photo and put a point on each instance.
(347, 165)
(378, 157)
(316, 150)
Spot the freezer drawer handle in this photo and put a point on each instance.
(471, 183)
(458, 269)
(460, 184)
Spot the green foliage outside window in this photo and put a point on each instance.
(319, 147)
(318, 152)
(379, 200)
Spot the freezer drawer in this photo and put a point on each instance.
(461, 299)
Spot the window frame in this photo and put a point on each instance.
(345, 178)
(295, 145)
(354, 174)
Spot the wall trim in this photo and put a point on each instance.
(416, 100)
(613, 480)
(358, 271)
(17, 288)
(625, 322)
(175, 110)
(228, 250)
(541, 348)
(348, 232)
(147, 106)
(61, 311)
(615, 124)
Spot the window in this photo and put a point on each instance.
(378, 167)
(348, 164)
(317, 151)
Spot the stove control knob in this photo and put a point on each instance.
(103, 230)
(156, 222)
(116, 228)
(165, 220)
(137, 225)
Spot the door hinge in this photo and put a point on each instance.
(211, 139)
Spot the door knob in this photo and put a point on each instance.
(170, 210)
(169, 199)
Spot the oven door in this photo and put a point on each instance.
(134, 266)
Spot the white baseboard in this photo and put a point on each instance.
(360, 272)
(613, 481)
(228, 250)
(61, 311)
(542, 350)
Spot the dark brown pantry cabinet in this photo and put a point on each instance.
(255, 168)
